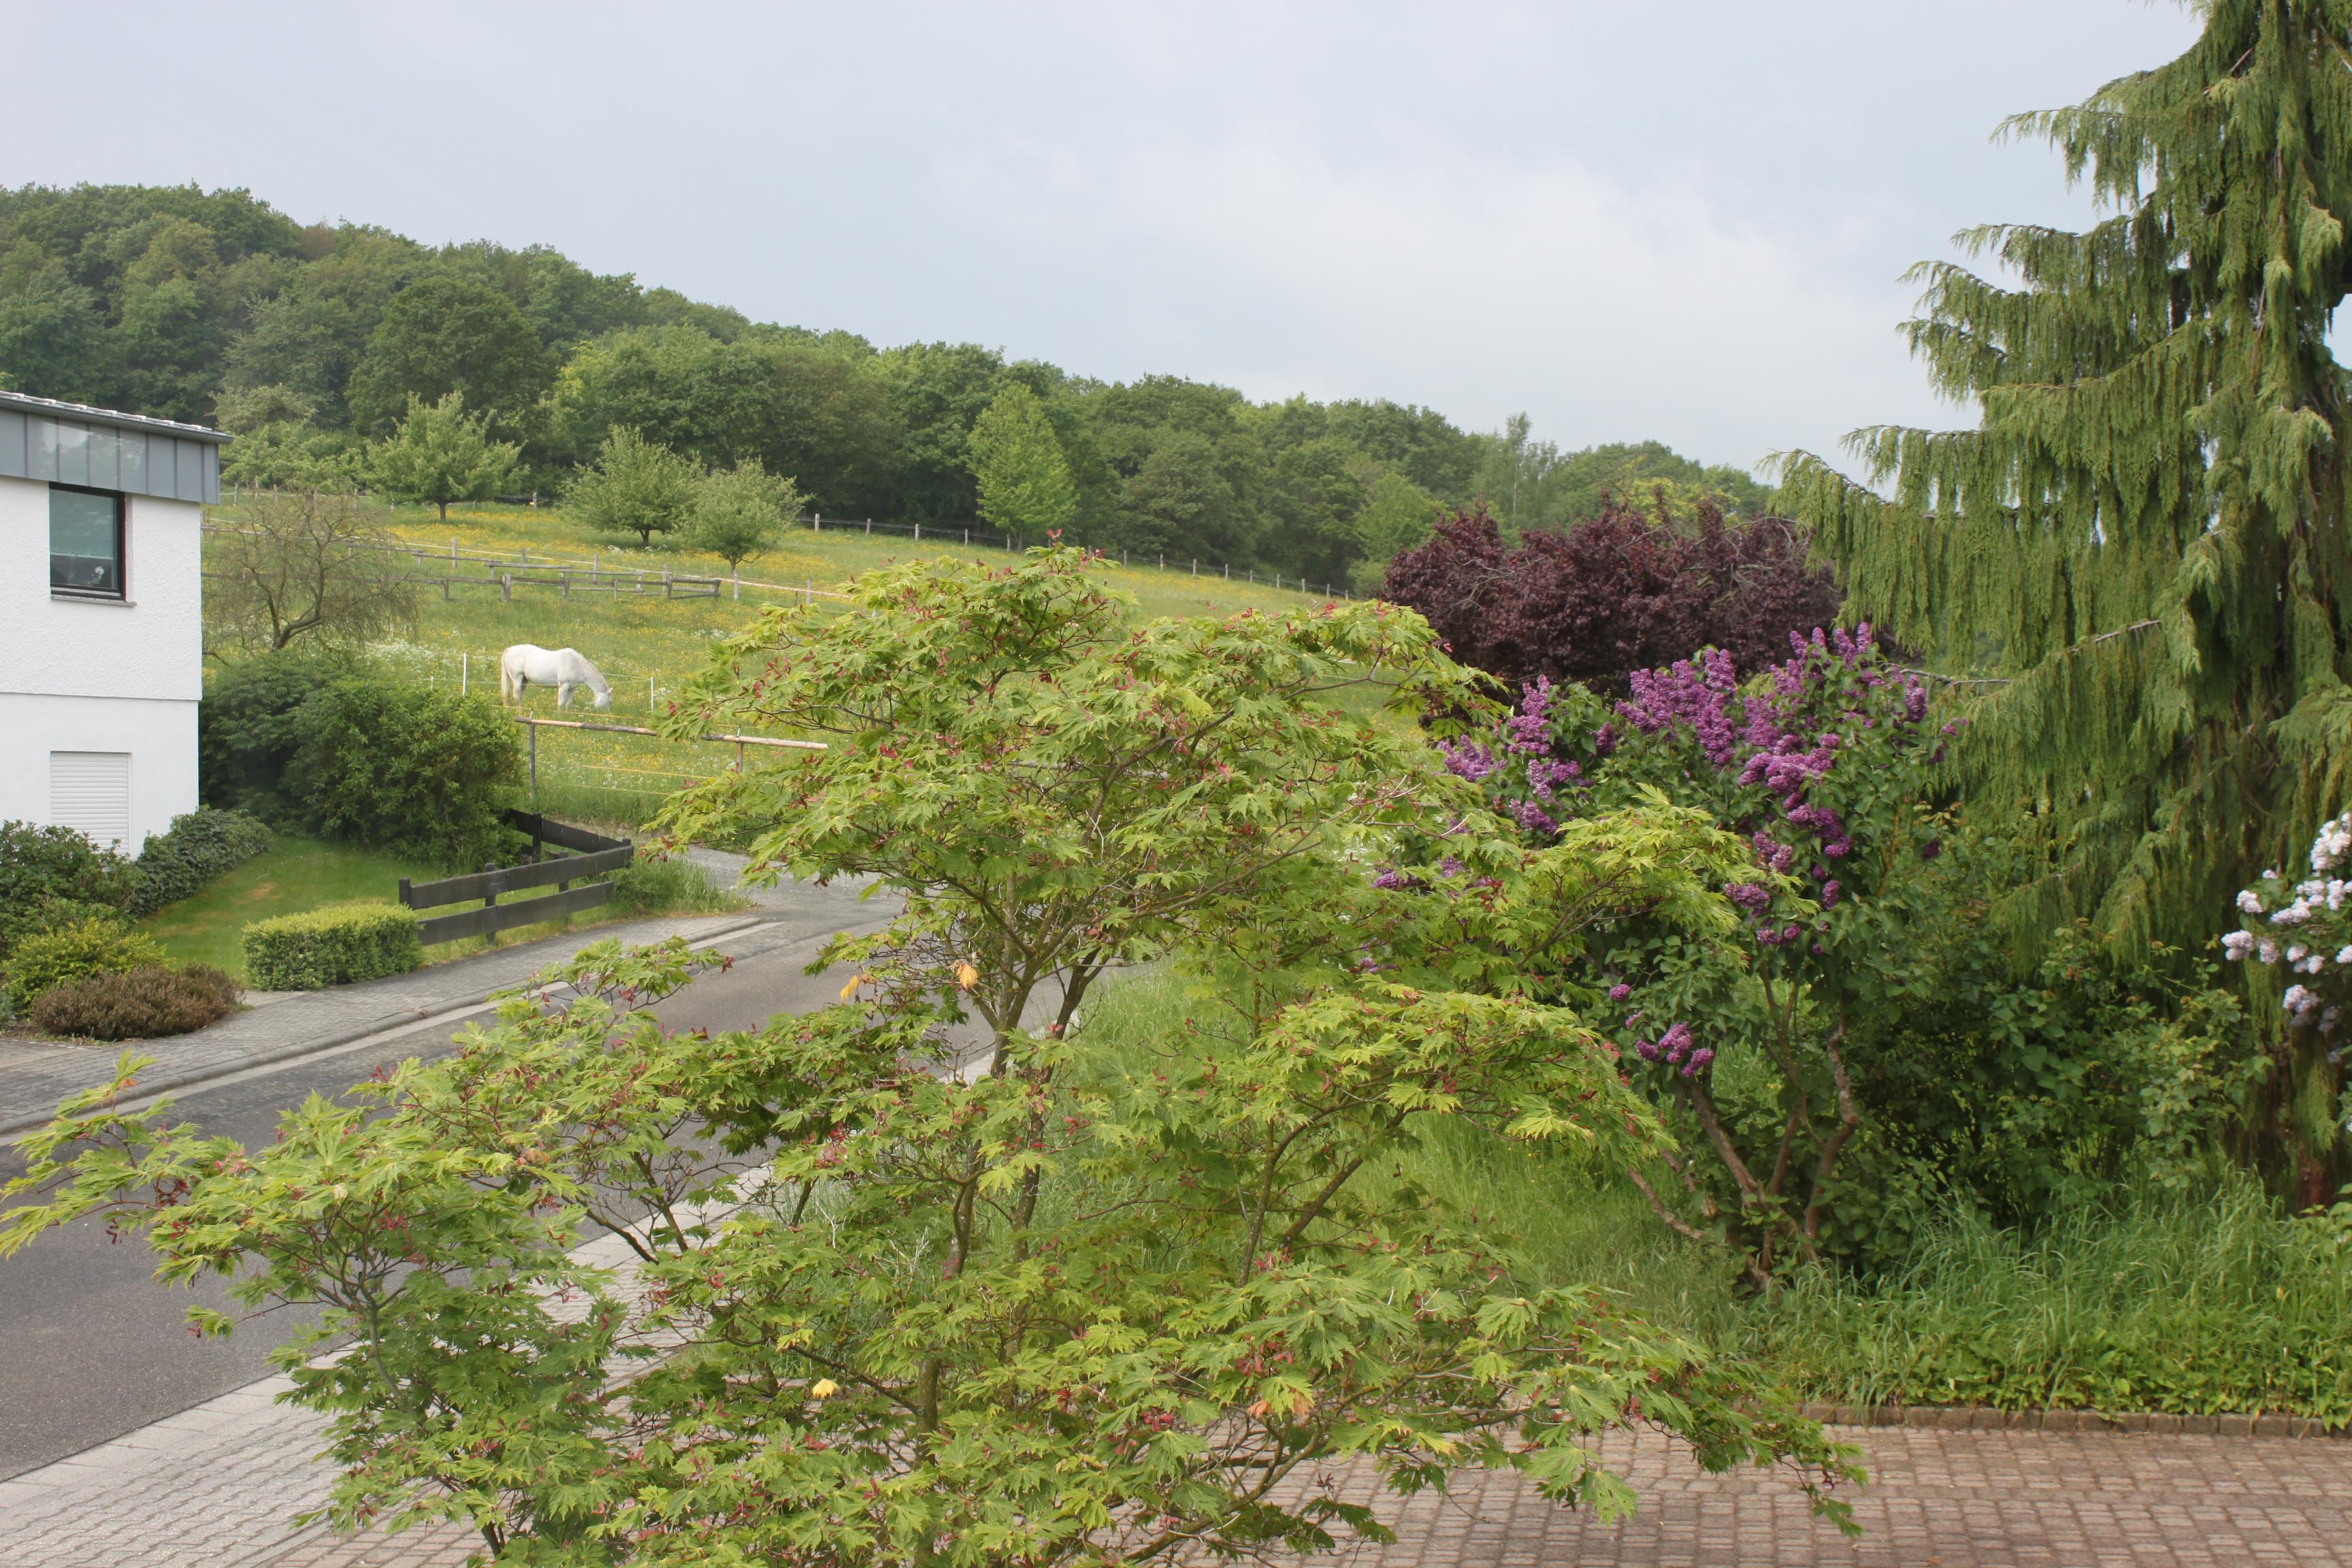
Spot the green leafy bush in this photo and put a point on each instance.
(249, 728)
(75, 951)
(333, 946)
(201, 845)
(408, 769)
(52, 876)
(2194, 1306)
(139, 1004)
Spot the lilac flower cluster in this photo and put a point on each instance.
(1675, 1048)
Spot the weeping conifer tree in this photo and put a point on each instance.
(2138, 556)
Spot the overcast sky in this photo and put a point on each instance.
(1684, 221)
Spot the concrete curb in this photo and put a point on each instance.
(385, 1024)
(1983, 1418)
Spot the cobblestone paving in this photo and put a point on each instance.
(1940, 1499)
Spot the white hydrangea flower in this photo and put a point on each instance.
(2266, 952)
(2294, 954)
(2249, 902)
(2344, 954)
(2294, 914)
(2300, 1000)
(2312, 965)
(2239, 944)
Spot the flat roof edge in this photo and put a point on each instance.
(55, 409)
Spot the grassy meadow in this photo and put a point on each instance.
(647, 646)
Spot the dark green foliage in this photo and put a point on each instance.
(806, 409)
(143, 1004)
(336, 746)
(333, 946)
(1534, 484)
(51, 876)
(129, 296)
(445, 334)
(200, 845)
(409, 769)
(248, 727)
(74, 952)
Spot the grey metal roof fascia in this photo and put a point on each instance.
(55, 409)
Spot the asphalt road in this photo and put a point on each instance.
(90, 1347)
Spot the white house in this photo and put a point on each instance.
(102, 627)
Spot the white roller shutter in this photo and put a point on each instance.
(90, 792)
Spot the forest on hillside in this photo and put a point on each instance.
(214, 307)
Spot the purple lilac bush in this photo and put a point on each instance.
(1823, 763)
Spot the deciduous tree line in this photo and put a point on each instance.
(305, 341)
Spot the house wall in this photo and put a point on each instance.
(77, 674)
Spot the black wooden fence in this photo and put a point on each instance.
(590, 855)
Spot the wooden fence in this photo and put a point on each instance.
(589, 855)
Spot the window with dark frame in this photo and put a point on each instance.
(85, 542)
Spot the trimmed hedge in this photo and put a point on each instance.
(75, 951)
(201, 845)
(333, 946)
(143, 1004)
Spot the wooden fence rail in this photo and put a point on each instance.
(590, 855)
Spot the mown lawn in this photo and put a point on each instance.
(297, 874)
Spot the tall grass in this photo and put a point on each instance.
(1566, 1221)
(2190, 1305)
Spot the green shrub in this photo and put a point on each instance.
(2204, 1305)
(201, 845)
(86, 947)
(47, 912)
(333, 946)
(673, 886)
(408, 769)
(249, 728)
(52, 876)
(143, 1004)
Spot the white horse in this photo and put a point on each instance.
(526, 665)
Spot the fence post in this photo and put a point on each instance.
(967, 536)
(869, 527)
(1229, 571)
(532, 726)
(816, 522)
(505, 586)
(464, 667)
(919, 531)
(649, 692)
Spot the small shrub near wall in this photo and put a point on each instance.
(201, 845)
(52, 877)
(143, 1004)
(75, 951)
(333, 946)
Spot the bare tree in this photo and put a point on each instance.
(296, 563)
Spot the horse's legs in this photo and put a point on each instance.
(563, 694)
